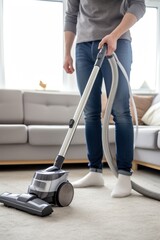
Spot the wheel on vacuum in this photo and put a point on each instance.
(64, 194)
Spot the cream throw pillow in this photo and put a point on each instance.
(152, 116)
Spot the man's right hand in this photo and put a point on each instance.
(68, 65)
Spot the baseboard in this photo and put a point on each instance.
(150, 165)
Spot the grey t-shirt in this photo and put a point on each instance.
(91, 20)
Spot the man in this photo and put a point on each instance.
(95, 23)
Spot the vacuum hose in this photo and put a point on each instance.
(114, 63)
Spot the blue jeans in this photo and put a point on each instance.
(86, 54)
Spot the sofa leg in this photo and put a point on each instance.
(134, 166)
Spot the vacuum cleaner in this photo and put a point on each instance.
(50, 187)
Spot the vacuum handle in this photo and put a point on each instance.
(101, 55)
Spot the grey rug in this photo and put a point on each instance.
(92, 215)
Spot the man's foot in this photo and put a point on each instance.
(123, 187)
(90, 180)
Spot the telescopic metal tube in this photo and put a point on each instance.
(99, 60)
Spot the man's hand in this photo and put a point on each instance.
(111, 42)
(68, 64)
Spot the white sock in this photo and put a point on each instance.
(123, 187)
(91, 179)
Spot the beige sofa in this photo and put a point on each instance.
(33, 125)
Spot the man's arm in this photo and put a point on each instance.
(134, 11)
(70, 32)
(111, 40)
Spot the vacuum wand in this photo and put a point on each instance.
(74, 121)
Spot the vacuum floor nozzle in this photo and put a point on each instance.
(27, 202)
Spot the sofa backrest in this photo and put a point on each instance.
(49, 107)
(11, 106)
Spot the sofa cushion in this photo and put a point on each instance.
(49, 108)
(11, 106)
(53, 135)
(13, 134)
(142, 105)
(147, 137)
